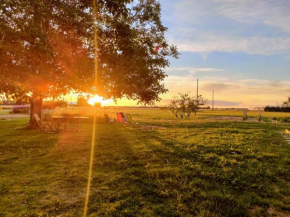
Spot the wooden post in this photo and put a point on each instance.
(245, 114)
(260, 116)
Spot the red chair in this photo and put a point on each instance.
(120, 118)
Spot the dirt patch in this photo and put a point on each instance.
(272, 211)
(256, 211)
(228, 118)
(153, 128)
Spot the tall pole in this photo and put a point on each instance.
(212, 106)
(197, 90)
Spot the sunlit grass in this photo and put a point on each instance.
(4, 112)
(189, 167)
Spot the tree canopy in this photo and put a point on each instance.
(47, 48)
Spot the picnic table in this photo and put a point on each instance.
(70, 121)
(74, 117)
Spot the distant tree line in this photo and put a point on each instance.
(277, 109)
(285, 107)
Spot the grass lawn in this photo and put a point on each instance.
(4, 112)
(189, 167)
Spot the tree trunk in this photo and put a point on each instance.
(35, 108)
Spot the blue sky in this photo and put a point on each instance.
(239, 48)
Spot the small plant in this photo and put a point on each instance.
(185, 105)
(21, 109)
(286, 120)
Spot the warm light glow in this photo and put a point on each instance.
(99, 99)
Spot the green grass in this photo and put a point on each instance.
(4, 112)
(188, 167)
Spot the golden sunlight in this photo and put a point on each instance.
(99, 99)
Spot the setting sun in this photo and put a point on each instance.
(99, 99)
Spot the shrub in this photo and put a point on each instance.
(53, 104)
(21, 109)
(82, 102)
(185, 105)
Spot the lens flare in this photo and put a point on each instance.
(90, 167)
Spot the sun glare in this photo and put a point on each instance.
(99, 99)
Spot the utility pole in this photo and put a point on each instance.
(212, 102)
(212, 107)
(197, 90)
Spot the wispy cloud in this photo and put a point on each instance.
(193, 70)
(194, 30)
(252, 45)
(269, 12)
(225, 103)
(227, 86)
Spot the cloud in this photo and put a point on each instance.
(224, 103)
(228, 93)
(227, 87)
(217, 86)
(193, 70)
(252, 45)
(267, 12)
(193, 28)
(270, 12)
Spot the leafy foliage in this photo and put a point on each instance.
(185, 104)
(47, 48)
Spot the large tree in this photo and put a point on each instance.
(49, 48)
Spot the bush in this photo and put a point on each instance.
(185, 105)
(286, 120)
(82, 102)
(21, 109)
(53, 104)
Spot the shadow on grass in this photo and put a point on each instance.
(145, 173)
(121, 185)
(221, 181)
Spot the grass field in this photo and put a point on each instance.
(4, 112)
(187, 167)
